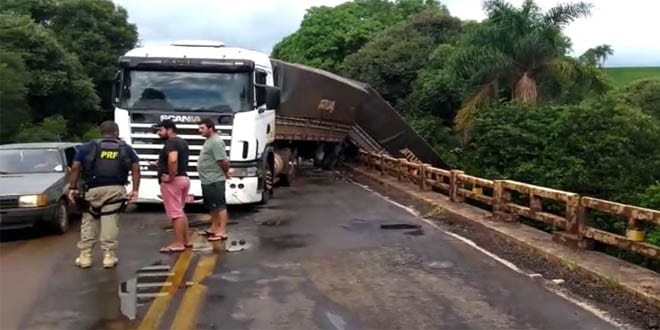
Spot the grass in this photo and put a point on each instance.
(623, 76)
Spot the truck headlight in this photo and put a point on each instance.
(243, 171)
(32, 201)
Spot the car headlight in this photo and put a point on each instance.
(243, 171)
(32, 201)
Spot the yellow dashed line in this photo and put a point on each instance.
(158, 307)
(188, 312)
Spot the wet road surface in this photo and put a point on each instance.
(318, 256)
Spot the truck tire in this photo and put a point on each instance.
(267, 191)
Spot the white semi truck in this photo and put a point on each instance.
(191, 79)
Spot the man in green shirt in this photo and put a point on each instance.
(213, 169)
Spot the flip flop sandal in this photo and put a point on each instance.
(171, 250)
(217, 238)
(188, 246)
(206, 233)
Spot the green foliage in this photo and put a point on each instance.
(98, 34)
(96, 31)
(626, 75)
(651, 197)
(328, 34)
(49, 130)
(391, 60)
(14, 108)
(57, 84)
(519, 51)
(600, 148)
(91, 133)
(644, 94)
(439, 136)
(435, 91)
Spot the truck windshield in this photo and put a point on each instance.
(186, 91)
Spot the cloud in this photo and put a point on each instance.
(629, 26)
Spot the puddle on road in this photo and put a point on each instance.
(143, 288)
(440, 264)
(399, 226)
(281, 242)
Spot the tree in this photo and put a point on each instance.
(14, 108)
(96, 31)
(57, 82)
(328, 34)
(514, 51)
(597, 56)
(391, 60)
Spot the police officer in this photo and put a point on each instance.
(104, 164)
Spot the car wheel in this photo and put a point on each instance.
(61, 219)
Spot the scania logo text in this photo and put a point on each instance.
(182, 119)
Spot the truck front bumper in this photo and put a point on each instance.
(237, 191)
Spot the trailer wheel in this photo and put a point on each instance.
(286, 179)
(332, 156)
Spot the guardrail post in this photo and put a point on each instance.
(399, 169)
(382, 165)
(576, 224)
(501, 197)
(422, 176)
(454, 185)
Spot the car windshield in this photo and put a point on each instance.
(186, 91)
(18, 161)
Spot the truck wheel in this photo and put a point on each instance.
(60, 222)
(267, 192)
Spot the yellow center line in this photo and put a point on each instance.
(158, 307)
(187, 314)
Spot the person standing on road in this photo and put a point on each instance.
(174, 183)
(213, 169)
(104, 164)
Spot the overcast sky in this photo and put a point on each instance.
(629, 26)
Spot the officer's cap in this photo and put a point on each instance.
(165, 123)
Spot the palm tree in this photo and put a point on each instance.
(596, 56)
(513, 50)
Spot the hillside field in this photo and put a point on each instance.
(622, 76)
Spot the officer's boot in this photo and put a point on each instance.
(109, 259)
(85, 259)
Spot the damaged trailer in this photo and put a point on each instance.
(322, 114)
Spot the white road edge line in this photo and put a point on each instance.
(603, 315)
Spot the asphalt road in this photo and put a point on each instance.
(316, 257)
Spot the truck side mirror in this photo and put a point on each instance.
(268, 95)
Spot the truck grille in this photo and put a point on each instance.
(147, 145)
(8, 202)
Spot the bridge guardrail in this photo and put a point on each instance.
(509, 200)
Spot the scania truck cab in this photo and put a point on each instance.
(189, 80)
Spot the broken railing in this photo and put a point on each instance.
(566, 213)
